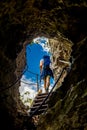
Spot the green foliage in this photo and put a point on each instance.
(27, 101)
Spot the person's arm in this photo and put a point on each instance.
(41, 65)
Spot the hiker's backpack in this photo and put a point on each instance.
(47, 61)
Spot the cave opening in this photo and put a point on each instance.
(60, 49)
(30, 81)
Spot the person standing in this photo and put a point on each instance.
(46, 71)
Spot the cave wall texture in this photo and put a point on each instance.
(20, 22)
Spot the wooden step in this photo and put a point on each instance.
(35, 107)
(40, 111)
(42, 94)
(38, 106)
(39, 100)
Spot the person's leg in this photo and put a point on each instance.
(47, 82)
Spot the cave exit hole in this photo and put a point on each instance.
(30, 81)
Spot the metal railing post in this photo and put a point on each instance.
(37, 83)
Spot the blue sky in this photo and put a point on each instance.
(34, 52)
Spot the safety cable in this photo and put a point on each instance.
(30, 116)
(28, 83)
(26, 69)
(32, 72)
(13, 82)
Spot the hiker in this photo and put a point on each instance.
(45, 71)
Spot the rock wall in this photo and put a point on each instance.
(61, 49)
(22, 21)
(67, 105)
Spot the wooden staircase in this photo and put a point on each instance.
(37, 103)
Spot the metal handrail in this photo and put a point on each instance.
(28, 83)
(26, 69)
(37, 75)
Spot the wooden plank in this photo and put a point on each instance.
(39, 111)
(35, 107)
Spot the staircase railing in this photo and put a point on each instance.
(37, 78)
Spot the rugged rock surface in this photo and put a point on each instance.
(68, 103)
(20, 22)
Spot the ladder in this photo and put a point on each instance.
(40, 103)
(37, 102)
